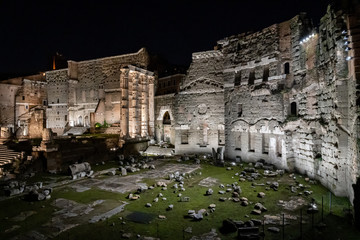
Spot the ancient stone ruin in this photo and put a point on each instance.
(287, 94)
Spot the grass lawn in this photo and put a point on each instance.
(176, 220)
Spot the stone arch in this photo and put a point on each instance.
(293, 109)
(162, 111)
(166, 118)
(165, 131)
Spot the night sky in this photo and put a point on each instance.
(31, 32)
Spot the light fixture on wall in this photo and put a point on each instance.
(348, 58)
(343, 32)
(307, 38)
(348, 49)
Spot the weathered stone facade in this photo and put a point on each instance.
(288, 94)
(285, 94)
(20, 98)
(167, 89)
(199, 110)
(114, 90)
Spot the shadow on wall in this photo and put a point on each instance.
(356, 203)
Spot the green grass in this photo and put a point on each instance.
(172, 227)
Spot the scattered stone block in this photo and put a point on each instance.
(261, 195)
(228, 226)
(256, 212)
(260, 207)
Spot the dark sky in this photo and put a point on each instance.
(32, 31)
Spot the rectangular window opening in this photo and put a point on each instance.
(251, 141)
(238, 141)
(265, 143)
(184, 137)
(266, 74)
(237, 80)
(251, 78)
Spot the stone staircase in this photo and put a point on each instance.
(7, 155)
(76, 131)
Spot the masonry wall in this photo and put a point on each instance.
(255, 107)
(7, 104)
(92, 77)
(199, 110)
(57, 89)
(289, 99)
(165, 104)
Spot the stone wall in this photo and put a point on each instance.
(87, 87)
(286, 95)
(164, 118)
(37, 123)
(255, 107)
(17, 97)
(7, 104)
(91, 77)
(199, 110)
(57, 89)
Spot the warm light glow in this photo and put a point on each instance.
(306, 39)
(54, 67)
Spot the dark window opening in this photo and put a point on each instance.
(44, 102)
(65, 117)
(278, 147)
(239, 109)
(293, 110)
(238, 141)
(251, 142)
(237, 81)
(251, 77)
(265, 143)
(57, 100)
(23, 97)
(266, 74)
(166, 118)
(184, 137)
(287, 68)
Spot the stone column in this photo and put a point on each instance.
(124, 103)
(137, 105)
(151, 106)
(144, 108)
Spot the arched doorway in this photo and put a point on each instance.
(166, 118)
(166, 134)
